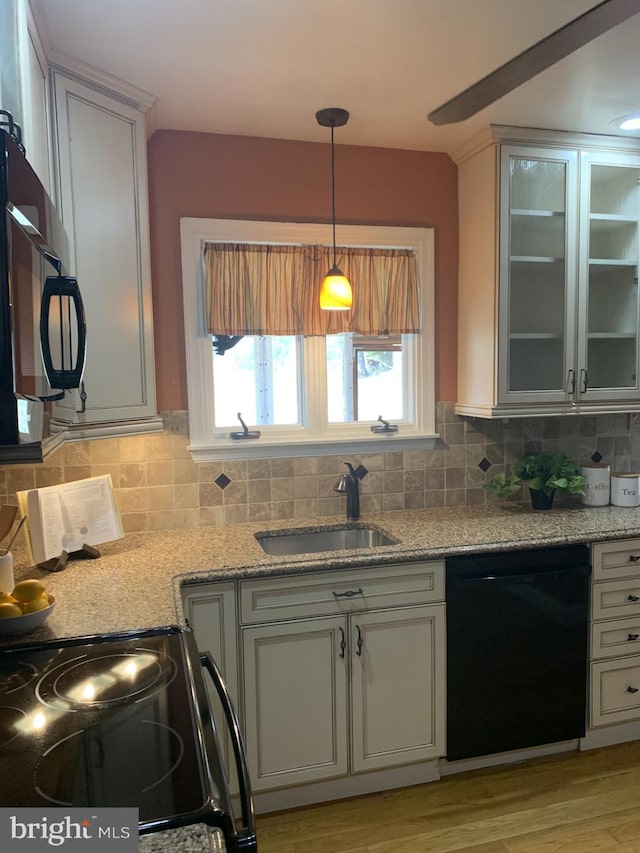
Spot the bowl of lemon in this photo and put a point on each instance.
(25, 608)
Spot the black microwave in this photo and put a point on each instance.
(42, 321)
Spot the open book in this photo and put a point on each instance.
(66, 517)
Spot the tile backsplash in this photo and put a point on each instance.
(159, 487)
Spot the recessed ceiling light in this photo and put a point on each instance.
(630, 122)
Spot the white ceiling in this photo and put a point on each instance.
(263, 67)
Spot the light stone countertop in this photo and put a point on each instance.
(136, 581)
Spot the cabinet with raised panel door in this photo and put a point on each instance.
(343, 672)
(102, 193)
(615, 633)
(548, 291)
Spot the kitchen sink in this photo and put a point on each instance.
(313, 541)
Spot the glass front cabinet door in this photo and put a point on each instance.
(538, 266)
(608, 274)
(569, 313)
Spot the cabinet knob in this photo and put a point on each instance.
(633, 598)
(633, 558)
(632, 689)
(632, 636)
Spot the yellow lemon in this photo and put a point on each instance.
(8, 610)
(6, 596)
(28, 590)
(38, 603)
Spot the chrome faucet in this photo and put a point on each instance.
(349, 484)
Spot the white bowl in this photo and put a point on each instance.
(28, 621)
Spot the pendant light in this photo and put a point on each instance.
(335, 293)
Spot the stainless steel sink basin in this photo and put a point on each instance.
(313, 541)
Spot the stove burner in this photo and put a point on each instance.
(15, 676)
(123, 771)
(107, 680)
(9, 724)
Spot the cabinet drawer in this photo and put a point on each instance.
(615, 691)
(616, 559)
(615, 638)
(616, 599)
(328, 593)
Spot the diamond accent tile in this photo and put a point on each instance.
(361, 472)
(484, 464)
(222, 480)
(596, 457)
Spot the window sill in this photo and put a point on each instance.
(264, 449)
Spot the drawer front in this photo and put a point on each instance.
(329, 593)
(615, 599)
(616, 559)
(615, 638)
(615, 691)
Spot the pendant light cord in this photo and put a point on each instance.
(333, 195)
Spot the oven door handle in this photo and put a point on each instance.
(247, 834)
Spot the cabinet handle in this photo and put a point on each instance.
(632, 637)
(633, 598)
(572, 382)
(584, 378)
(349, 593)
(633, 558)
(343, 644)
(632, 689)
(359, 642)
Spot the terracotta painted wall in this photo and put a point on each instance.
(237, 177)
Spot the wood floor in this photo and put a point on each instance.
(569, 803)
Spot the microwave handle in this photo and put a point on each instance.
(63, 286)
(247, 834)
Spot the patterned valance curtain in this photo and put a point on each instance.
(258, 289)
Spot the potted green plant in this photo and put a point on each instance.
(544, 474)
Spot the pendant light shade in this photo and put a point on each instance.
(335, 294)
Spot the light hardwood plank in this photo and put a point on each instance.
(569, 803)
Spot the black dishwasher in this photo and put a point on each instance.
(517, 649)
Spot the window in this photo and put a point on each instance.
(305, 395)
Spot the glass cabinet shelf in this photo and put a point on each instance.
(535, 259)
(611, 263)
(535, 336)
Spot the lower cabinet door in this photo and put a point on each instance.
(397, 686)
(295, 701)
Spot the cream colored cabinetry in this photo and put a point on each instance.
(100, 146)
(210, 610)
(615, 633)
(343, 672)
(548, 285)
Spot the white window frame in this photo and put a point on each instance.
(316, 437)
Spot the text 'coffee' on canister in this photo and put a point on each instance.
(625, 489)
(597, 483)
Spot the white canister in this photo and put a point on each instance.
(597, 483)
(6, 571)
(625, 489)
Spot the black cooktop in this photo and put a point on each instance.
(109, 721)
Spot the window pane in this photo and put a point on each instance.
(258, 377)
(364, 378)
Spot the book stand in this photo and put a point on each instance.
(57, 564)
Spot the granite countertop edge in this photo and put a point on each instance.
(137, 581)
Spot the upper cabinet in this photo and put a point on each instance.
(100, 153)
(548, 288)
